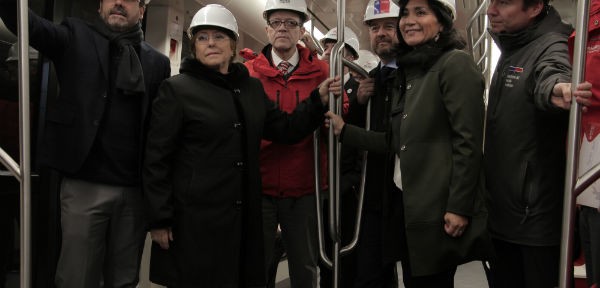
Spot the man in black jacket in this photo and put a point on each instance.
(94, 133)
(525, 141)
(372, 269)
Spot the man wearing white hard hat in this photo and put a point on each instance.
(94, 133)
(289, 72)
(381, 18)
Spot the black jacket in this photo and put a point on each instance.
(201, 175)
(525, 135)
(380, 121)
(81, 60)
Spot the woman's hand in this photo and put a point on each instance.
(330, 85)
(162, 236)
(455, 224)
(335, 120)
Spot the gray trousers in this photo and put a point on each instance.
(589, 229)
(297, 218)
(102, 235)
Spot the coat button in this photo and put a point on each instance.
(596, 22)
(237, 126)
(404, 116)
(408, 86)
(238, 204)
(239, 164)
(403, 148)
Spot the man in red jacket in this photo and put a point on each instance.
(589, 200)
(289, 72)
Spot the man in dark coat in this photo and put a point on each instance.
(371, 268)
(93, 135)
(525, 141)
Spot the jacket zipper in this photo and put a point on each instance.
(278, 98)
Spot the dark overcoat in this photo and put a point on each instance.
(201, 175)
(81, 60)
(437, 132)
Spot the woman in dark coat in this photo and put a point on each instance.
(435, 218)
(201, 175)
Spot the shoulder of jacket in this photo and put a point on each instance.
(452, 58)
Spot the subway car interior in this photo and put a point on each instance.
(165, 25)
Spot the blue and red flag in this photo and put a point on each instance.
(381, 6)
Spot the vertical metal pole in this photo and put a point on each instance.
(566, 248)
(334, 146)
(25, 144)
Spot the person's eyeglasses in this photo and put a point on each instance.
(288, 24)
(204, 38)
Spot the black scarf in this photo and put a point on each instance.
(130, 77)
(236, 73)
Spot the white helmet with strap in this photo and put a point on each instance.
(298, 6)
(450, 4)
(349, 37)
(377, 9)
(214, 15)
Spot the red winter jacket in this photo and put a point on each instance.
(288, 170)
(590, 121)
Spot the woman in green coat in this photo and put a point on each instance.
(434, 213)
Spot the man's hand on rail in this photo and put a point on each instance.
(561, 95)
(366, 89)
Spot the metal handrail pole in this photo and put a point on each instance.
(355, 67)
(361, 191)
(339, 69)
(320, 234)
(566, 249)
(483, 56)
(323, 255)
(25, 144)
(333, 161)
(470, 23)
(587, 179)
(332, 147)
(10, 164)
(346, 249)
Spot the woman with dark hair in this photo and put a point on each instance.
(201, 174)
(435, 213)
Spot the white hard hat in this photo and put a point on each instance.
(349, 37)
(377, 9)
(13, 53)
(298, 6)
(214, 15)
(450, 4)
(367, 60)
